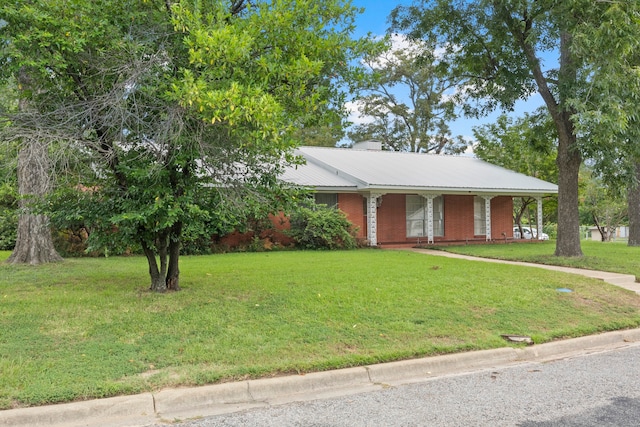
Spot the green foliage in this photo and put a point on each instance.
(321, 227)
(8, 193)
(273, 69)
(8, 216)
(186, 111)
(527, 144)
(599, 205)
(608, 108)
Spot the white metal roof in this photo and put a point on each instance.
(313, 175)
(335, 169)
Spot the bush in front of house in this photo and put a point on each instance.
(321, 227)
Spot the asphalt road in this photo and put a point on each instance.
(601, 389)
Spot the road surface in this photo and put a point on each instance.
(599, 389)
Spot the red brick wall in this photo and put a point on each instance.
(352, 205)
(501, 217)
(392, 221)
(458, 218)
(277, 235)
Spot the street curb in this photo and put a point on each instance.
(171, 404)
(228, 397)
(115, 411)
(565, 348)
(418, 369)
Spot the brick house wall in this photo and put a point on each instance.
(353, 207)
(458, 221)
(392, 220)
(502, 218)
(458, 218)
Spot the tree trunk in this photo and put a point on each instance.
(568, 242)
(633, 200)
(568, 160)
(34, 244)
(166, 275)
(157, 275)
(173, 272)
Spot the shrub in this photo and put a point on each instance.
(321, 227)
(8, 216)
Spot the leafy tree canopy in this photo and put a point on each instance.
(408, 95)
(610, 106)
(185, 111)
(526, 145)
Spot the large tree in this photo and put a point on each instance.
(526, 145)
(407, 97)
(610, 108)
(186, 110)
(507, 50)
(34, 243)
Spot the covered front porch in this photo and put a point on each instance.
(405, 219)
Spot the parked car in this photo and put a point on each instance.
(528, 233)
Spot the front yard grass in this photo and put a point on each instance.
(615, 257)
(88, 328)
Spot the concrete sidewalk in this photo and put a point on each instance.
(170, 405)
(627, 281)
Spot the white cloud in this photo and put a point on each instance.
(353, 108)
(469, 151)
(399, 43)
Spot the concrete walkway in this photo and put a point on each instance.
(166, 406)
(627, 281)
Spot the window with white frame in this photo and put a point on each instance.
(418, 217)
(479, 216)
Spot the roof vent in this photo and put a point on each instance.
(368, 146)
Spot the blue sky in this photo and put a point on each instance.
(374, 18)
(374, 21)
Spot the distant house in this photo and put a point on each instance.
(399, 198)
(621, 232)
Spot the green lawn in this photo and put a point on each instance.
(88, 327)
(616, 257)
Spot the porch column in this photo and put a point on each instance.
(372, 218)
(430, 232)
(487, 216)
(539, 219)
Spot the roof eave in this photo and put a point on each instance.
(517, 192)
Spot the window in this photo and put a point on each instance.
(479, 216)
(418, 217)
(329, 199)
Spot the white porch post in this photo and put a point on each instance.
(539, 219)
(430, 232)
(487, 215)
(372, 218)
